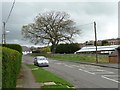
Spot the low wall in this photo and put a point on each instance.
(113, 59)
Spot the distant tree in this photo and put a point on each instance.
(36, 51)
(51, 27)
(45, 49)
(32, 48)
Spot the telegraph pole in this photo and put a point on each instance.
(3, 34)
(96, 42)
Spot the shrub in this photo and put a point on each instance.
(67, 48)
(13, 46)
(36, 51)
(11, 63)
(45, 49)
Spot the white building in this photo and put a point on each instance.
(100, 49)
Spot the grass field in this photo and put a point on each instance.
(77, 57)
(81, 58)
(41, 75)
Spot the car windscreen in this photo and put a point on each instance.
(41, 58)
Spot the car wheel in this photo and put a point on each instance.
(47, 65)
(35, 64)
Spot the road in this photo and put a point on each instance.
(82, 75)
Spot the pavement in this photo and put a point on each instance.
(27, 79)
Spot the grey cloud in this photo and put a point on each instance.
(82, 13)
(101, 8)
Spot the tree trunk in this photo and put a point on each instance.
(53, 48)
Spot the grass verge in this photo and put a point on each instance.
(77, 57)
(81, 58)
(42, 76)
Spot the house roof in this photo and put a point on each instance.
(99, 48)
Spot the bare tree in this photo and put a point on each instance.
(50, 27)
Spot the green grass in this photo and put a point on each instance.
(42, 75)
(81, 58)
(77, 57)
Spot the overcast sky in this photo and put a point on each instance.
(105, 14)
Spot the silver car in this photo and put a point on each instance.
(41, 61)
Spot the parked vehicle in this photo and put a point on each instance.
(41, 61)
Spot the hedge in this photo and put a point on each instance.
(11, 63)
(67, 48)
(13, 46)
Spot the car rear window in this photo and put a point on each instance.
(41, 59)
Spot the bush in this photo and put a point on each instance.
(67, 48)
(11, 63)
(36, 51)
(13, 46)
(45, 49)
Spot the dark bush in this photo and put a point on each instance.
(13, 46)
(67, 48)
(36, 51)
(11, 63)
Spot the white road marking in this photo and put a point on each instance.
(91, 70)
(87, 71)
(75, 66)
(103, 76)
(104, 72)
(58, 63)
(68, 66)
(100, 70)
(111, 75)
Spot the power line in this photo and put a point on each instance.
(4, 24)
(10, 11)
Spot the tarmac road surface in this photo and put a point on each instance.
(83, 75)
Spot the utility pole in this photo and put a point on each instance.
(96, 41)
(4, 34)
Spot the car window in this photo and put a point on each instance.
(41, 59)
